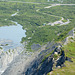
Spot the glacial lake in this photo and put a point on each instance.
(13, 33)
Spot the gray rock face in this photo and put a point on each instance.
(40, 69)
(70, 33)
(61, 60)
(41, 65)
(35, 46)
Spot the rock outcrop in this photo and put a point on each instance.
(43, 63)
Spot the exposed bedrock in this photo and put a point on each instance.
(43, 63)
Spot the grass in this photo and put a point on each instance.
(1, 48)
(70, 49)
(6, 11)
(68, 70)
(64, 20)
(70, 66)
(46, 56)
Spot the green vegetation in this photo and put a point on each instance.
(9, 50)
(70, 49)
(70, 66)
(1, 48)
(6, 44)
(55, 56)
(5, 12)
(65, 11)
(46, 1)
(64, 20)
(46, 56)
(47, 33)
(33, 21)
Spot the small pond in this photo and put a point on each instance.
(13, 33)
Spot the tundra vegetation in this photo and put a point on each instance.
(33, 21)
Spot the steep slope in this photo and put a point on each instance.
(69, 68)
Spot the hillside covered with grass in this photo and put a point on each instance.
(69, 68)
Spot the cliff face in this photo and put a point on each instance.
(36, 64)
(44, 62)
(51, 58)
(43, 65)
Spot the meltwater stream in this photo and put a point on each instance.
(11, 35)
